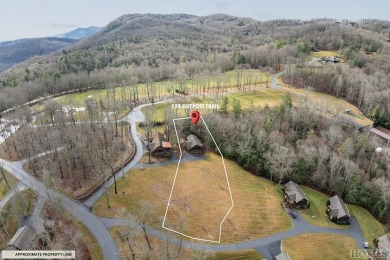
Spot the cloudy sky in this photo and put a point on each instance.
(37, 18)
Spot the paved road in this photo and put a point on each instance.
(93, 224)
(276, 76)
(19, 187)
(267, 246)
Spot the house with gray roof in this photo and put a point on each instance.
(384, 244)
(294, 195)
(337, 210)
(24, 239)
(194, 145)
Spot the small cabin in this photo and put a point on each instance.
(194, 145)
(24, 239)
(337, 210)
(160, 146)
(295, 196)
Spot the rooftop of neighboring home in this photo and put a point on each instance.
(294, 192)
(338, 207)
(23, 238)
(384, 242)
(193, 140)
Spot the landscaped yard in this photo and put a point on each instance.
(256, 212)
(316, 213)
(371, 227)
(4, 188)
(319, 246)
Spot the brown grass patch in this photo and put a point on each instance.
(319, 246)
(256, 212)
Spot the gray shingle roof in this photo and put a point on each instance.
(384, 243)
(338, 207)
(193, 140)
(23, 238)
(294, 192)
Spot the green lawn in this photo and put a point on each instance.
(320, 54)
(226, 79)
(4, 188)
(316, 213)
(371, 227)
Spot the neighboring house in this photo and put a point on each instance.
(283, 256)
(384, 245)
(381, 134)
(294, 195)
(24, 239)
(337, 210)
(194, 145)
(160, 146)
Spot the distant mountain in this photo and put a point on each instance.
(79, 33)
(13, 52)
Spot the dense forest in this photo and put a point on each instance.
(293, 143)
(147, 48)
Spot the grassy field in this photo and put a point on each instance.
(4, 189)
(320, 54)
(256, 212)
(319, 246)
(371, 227)
(226, 79)
(328, 105)
(316, 213)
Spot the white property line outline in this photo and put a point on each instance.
(174, 181)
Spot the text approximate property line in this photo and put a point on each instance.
(174, 181)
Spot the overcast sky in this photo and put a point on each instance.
(37, 18)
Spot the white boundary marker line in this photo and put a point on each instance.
(174, 181)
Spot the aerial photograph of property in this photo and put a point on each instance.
(205, 130)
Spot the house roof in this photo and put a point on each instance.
(159, 140)
(283, 256)
(380, 133)
(338, 207)
(384, 242)
(23, 238)
(294, 192)
(166, 144)
(193, 140)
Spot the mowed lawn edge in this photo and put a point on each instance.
(319, 246)
(257, 210)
